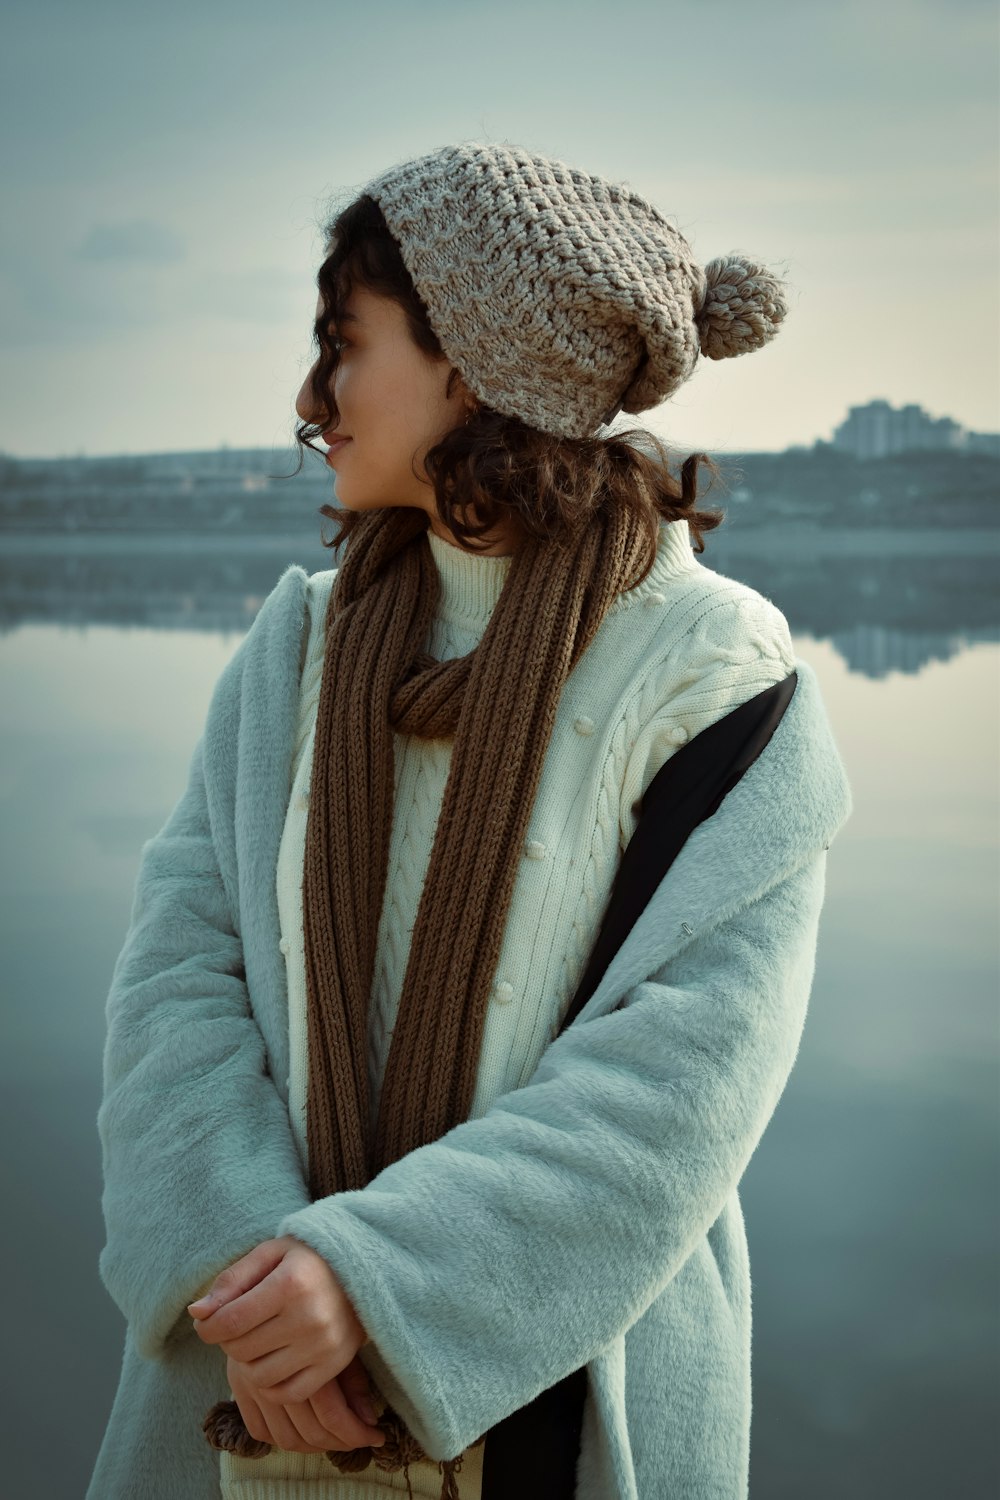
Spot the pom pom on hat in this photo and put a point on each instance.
(743, 307)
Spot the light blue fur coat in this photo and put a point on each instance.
(591, 1217)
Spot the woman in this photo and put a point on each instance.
(350, 1149)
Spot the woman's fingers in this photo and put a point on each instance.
(331, 1407)
(304, 1381)
(353, 1381)
(269, 1422)
(267, 1340)
(314, 1437)
(283, 1377)
(242, 1276)
(253, 1417)
(238, 1313)
(286, 1433)
(290, 1420)
(252, 1408)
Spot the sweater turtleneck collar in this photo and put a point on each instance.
(472, 583)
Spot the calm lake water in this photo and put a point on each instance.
(872, 1201)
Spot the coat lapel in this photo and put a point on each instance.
(255, 755)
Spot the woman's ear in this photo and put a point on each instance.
(469, 398)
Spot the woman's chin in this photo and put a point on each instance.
(348, 501)
(352, 501)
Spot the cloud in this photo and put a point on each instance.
(131, 239)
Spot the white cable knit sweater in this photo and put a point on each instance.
(670, 658)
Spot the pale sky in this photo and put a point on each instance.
(166, 170)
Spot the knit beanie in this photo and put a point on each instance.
(560, 297)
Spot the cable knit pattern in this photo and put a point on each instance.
(670, 658)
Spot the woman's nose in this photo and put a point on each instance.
(306, 405)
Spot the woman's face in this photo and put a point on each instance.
(390, 396)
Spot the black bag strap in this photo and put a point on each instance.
(533, 1452)
(685, 791)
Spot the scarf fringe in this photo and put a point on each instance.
(226, 1432)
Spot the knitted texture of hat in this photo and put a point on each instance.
(563, 298)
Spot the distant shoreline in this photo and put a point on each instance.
(156, 541)
(773, 540)
(879, 541)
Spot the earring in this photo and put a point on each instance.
(470, 413)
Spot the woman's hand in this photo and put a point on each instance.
(326, 1420)
(281, 1313)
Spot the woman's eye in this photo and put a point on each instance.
(336, 344)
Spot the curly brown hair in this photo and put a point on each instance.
(495, 466)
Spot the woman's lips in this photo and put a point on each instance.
(335, 448)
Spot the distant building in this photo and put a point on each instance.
(983, 442)
(877, 430)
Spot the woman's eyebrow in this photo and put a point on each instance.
(338, 322)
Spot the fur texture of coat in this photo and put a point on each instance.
(590, 1218)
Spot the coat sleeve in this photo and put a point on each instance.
(489, 1264)
(199, 1160)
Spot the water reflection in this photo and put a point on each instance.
(871, 1207)
(888, 602)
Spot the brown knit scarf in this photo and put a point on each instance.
(498, 704)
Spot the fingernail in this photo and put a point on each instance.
(367, 1407)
